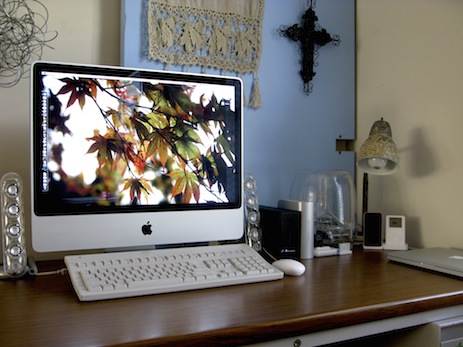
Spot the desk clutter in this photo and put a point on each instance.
(318, 219)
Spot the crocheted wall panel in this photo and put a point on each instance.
(224, 35)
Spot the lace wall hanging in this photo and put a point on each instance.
(218, 34)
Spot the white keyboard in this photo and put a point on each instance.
(135, 273)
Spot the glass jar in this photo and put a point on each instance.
(334, 197)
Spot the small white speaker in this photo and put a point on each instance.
(13, 233)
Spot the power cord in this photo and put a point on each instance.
(33, 270)
(267, 255)
(62, 271)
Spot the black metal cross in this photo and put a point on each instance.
(310, 37)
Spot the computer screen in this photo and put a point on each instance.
(124, 157)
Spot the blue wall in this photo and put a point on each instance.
(292, 131)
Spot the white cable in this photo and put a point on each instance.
(33, 270)
(61, 271)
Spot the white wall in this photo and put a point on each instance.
(410, 71)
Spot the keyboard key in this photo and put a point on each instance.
(155, 282)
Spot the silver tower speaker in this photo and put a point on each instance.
(13, 233)
(252, 213)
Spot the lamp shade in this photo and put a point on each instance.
(378, 155)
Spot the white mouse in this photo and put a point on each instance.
(289, 267)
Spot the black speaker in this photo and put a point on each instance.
(281, 232)
(13, 233)
(372, 230)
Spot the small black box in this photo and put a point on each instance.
(281, 231)
(372, 230)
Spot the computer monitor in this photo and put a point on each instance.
(123, 157)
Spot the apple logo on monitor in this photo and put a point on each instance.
(146, 229)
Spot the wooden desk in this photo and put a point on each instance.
(334, 292)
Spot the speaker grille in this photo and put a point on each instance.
(13, 234)
(253, 229)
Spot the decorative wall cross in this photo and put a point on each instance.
(310, 36)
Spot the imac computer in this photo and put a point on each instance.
(129, 158)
